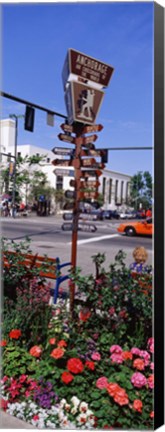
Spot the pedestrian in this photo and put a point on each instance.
(140, 257)
(148, 213)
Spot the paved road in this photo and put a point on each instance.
(47, 237)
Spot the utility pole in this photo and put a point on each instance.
(15, 158)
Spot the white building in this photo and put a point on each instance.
(113, 185)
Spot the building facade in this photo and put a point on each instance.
(114, 186)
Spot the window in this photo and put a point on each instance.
(19, 154)
(110, 191)
(48, 160)
(59, 183)
(116, 190)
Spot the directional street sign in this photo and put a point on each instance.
(67, 138)
(68, 206)
(92, 128)
(70, 194)
(87, 227)
(67, 226)
(68, 216)
(89, 139)
(62, 162)
(88, 162)
(67, 128)
(63, 151)
(91, 173)
(90, 184)
(92, 152)
(87, 195)
(64, 172)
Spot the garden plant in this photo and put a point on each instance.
(91, 370)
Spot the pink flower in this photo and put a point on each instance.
(35, 417)
(138, 380)
(116, 349)
(135, 351)
(152, 365)
(23, 378)
(96, 356)
(150, 381)
(117, 358)
(101, 383)
(150, 344)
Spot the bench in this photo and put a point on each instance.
(48, 268)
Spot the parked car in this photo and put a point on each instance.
(109, 214)
(145, 227)
(91, 215)
(127, 215)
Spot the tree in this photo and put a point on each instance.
(141, 189)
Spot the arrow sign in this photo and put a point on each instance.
(62, 162)
(69, 194)
(88, 195)
(91, 173)
(90, 184)
(67, 138)
(68, 206)
(67, 226)
(68, 216)
(63, 151)
(67, 128)
(89, 139)
(63, 172)
(92, 128)
(91, 152)
(88, 162)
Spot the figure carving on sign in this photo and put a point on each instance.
(85, 103)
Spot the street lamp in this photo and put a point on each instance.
(15, 117)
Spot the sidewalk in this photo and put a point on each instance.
(9, 422)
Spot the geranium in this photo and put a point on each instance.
(116, 349)
(52, 341)
(102, 383)
(135, 351)
(67, 377)
(84, 315)
(150, 344)
(127, 355)
(116, 358)
(62, 343)
(150, 381)
(23, 378)
(146, 356)
(90, 365)
(3, 342)
(152, 365)
(75, 365)
(15, 334)
(96, 356)
(57, 353)
(121, 397)
(138, 380)
(35, 351)
(112, 388)
(139, 364)
(3, 404)
(138, 405)
(152, 414)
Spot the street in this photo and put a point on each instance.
(48, 238)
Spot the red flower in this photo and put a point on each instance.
(152, 414)
(139, 364)
(127, 355)
(75, 365)
(35, 351)
(3, 404)
(138, 405)
(57, 353)
(112, 388)
(62, 344)
(15, 334)
(35, 417)
(3, 342)
(84, 315)
(90, 365)
(52, 341)
(121, 397)
(67, 377)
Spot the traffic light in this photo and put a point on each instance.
(104, 156)
(29, 118)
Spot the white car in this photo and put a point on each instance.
(127, 215)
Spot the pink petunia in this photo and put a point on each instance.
(138, 380)
(116, 349)
(135, 351)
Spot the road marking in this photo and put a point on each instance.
(95, 239)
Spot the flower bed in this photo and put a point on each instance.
(93, 371)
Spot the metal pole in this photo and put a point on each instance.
(14, 174)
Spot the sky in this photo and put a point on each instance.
(35, 40)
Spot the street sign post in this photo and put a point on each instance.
(92, 128)
(69, 194)
(63, 172)
(67, 216)
(63, 151)
(66, 138)
(87, 195)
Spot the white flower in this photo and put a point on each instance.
(83, 407)
(61, 415)
(81, 418)
(74, 410)
(75, 401)
(62, 403)
(67, 407)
